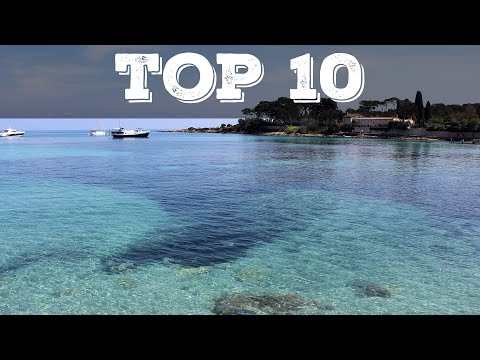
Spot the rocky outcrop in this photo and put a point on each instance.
(249, 304)
(369, 289)
(116, 266)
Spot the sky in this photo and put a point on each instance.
(60, 86)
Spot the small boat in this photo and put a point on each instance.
(129, 133)
(11, 132)
(97, 132)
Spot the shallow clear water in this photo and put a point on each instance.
(169, 224)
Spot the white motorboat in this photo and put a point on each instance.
(129, 133)
(97, 132)
(11, 132)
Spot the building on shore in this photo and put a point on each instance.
(371, 125)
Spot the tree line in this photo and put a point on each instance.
(325, 117)
(297, 117)
(439, 116)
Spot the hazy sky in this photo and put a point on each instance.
(80, 81)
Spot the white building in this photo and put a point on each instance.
(371, 125)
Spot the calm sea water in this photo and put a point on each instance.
(170, 224)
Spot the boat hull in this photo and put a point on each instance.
(10, 135)
(120, 136)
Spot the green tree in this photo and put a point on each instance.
(248, 112)
(436, 123)
(391, 103)
(405, 109)
(420, 109)
(367, 107)
(470, 111)
(428, 111)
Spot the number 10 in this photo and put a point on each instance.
(305, 93)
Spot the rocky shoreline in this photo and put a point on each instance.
(282, 133)
(199, 131)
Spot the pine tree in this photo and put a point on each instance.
(420, 109)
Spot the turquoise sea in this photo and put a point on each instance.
(210, 223)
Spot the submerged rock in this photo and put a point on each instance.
(128, 282)
(228, 309)
(327, 307)
(194, 270)
(369, 289)
(114, 266)
(248, 304)
(250, 274)
(394, 289)
(375, 290)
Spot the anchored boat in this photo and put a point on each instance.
(129, 133)
(11, 132)
(97, 133)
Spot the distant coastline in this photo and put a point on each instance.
(391, 118)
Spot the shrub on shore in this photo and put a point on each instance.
(290, 129)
